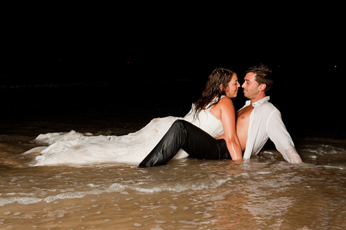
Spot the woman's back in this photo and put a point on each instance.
(206, 121)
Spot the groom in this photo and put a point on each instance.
(256, 122)
(259, 120)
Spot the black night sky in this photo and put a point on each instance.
(68, 42)
(149, 51)
(79, 43)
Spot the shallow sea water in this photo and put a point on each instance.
(263, 193)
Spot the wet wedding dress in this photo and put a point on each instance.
(75, 148)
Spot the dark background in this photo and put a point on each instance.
(68, 60)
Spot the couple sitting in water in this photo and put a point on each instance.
(211, 130)
(248, 130)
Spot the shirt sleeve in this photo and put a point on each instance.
(277, 132)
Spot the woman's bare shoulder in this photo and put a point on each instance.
(226, 101)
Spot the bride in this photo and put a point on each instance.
(75, 148)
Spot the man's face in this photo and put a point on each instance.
(250, 86)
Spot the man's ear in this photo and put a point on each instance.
(262, 87)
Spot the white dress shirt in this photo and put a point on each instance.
(266, 122)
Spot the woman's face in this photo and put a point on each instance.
(231, 89)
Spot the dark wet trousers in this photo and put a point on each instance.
(184, 135)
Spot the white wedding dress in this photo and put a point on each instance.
(75, 148)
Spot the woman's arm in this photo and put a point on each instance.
(227, 116)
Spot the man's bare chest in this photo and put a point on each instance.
(244, 114)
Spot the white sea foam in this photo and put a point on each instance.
(263, 172)
(121, 188)
(20, 200)
(334, 167)
(171, 187)
(69, 195)
(323, 149)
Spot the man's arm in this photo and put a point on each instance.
(283, 142)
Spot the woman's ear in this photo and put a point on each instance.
(221, 88)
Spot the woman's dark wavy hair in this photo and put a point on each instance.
(219, 76)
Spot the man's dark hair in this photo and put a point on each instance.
(263, 75)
